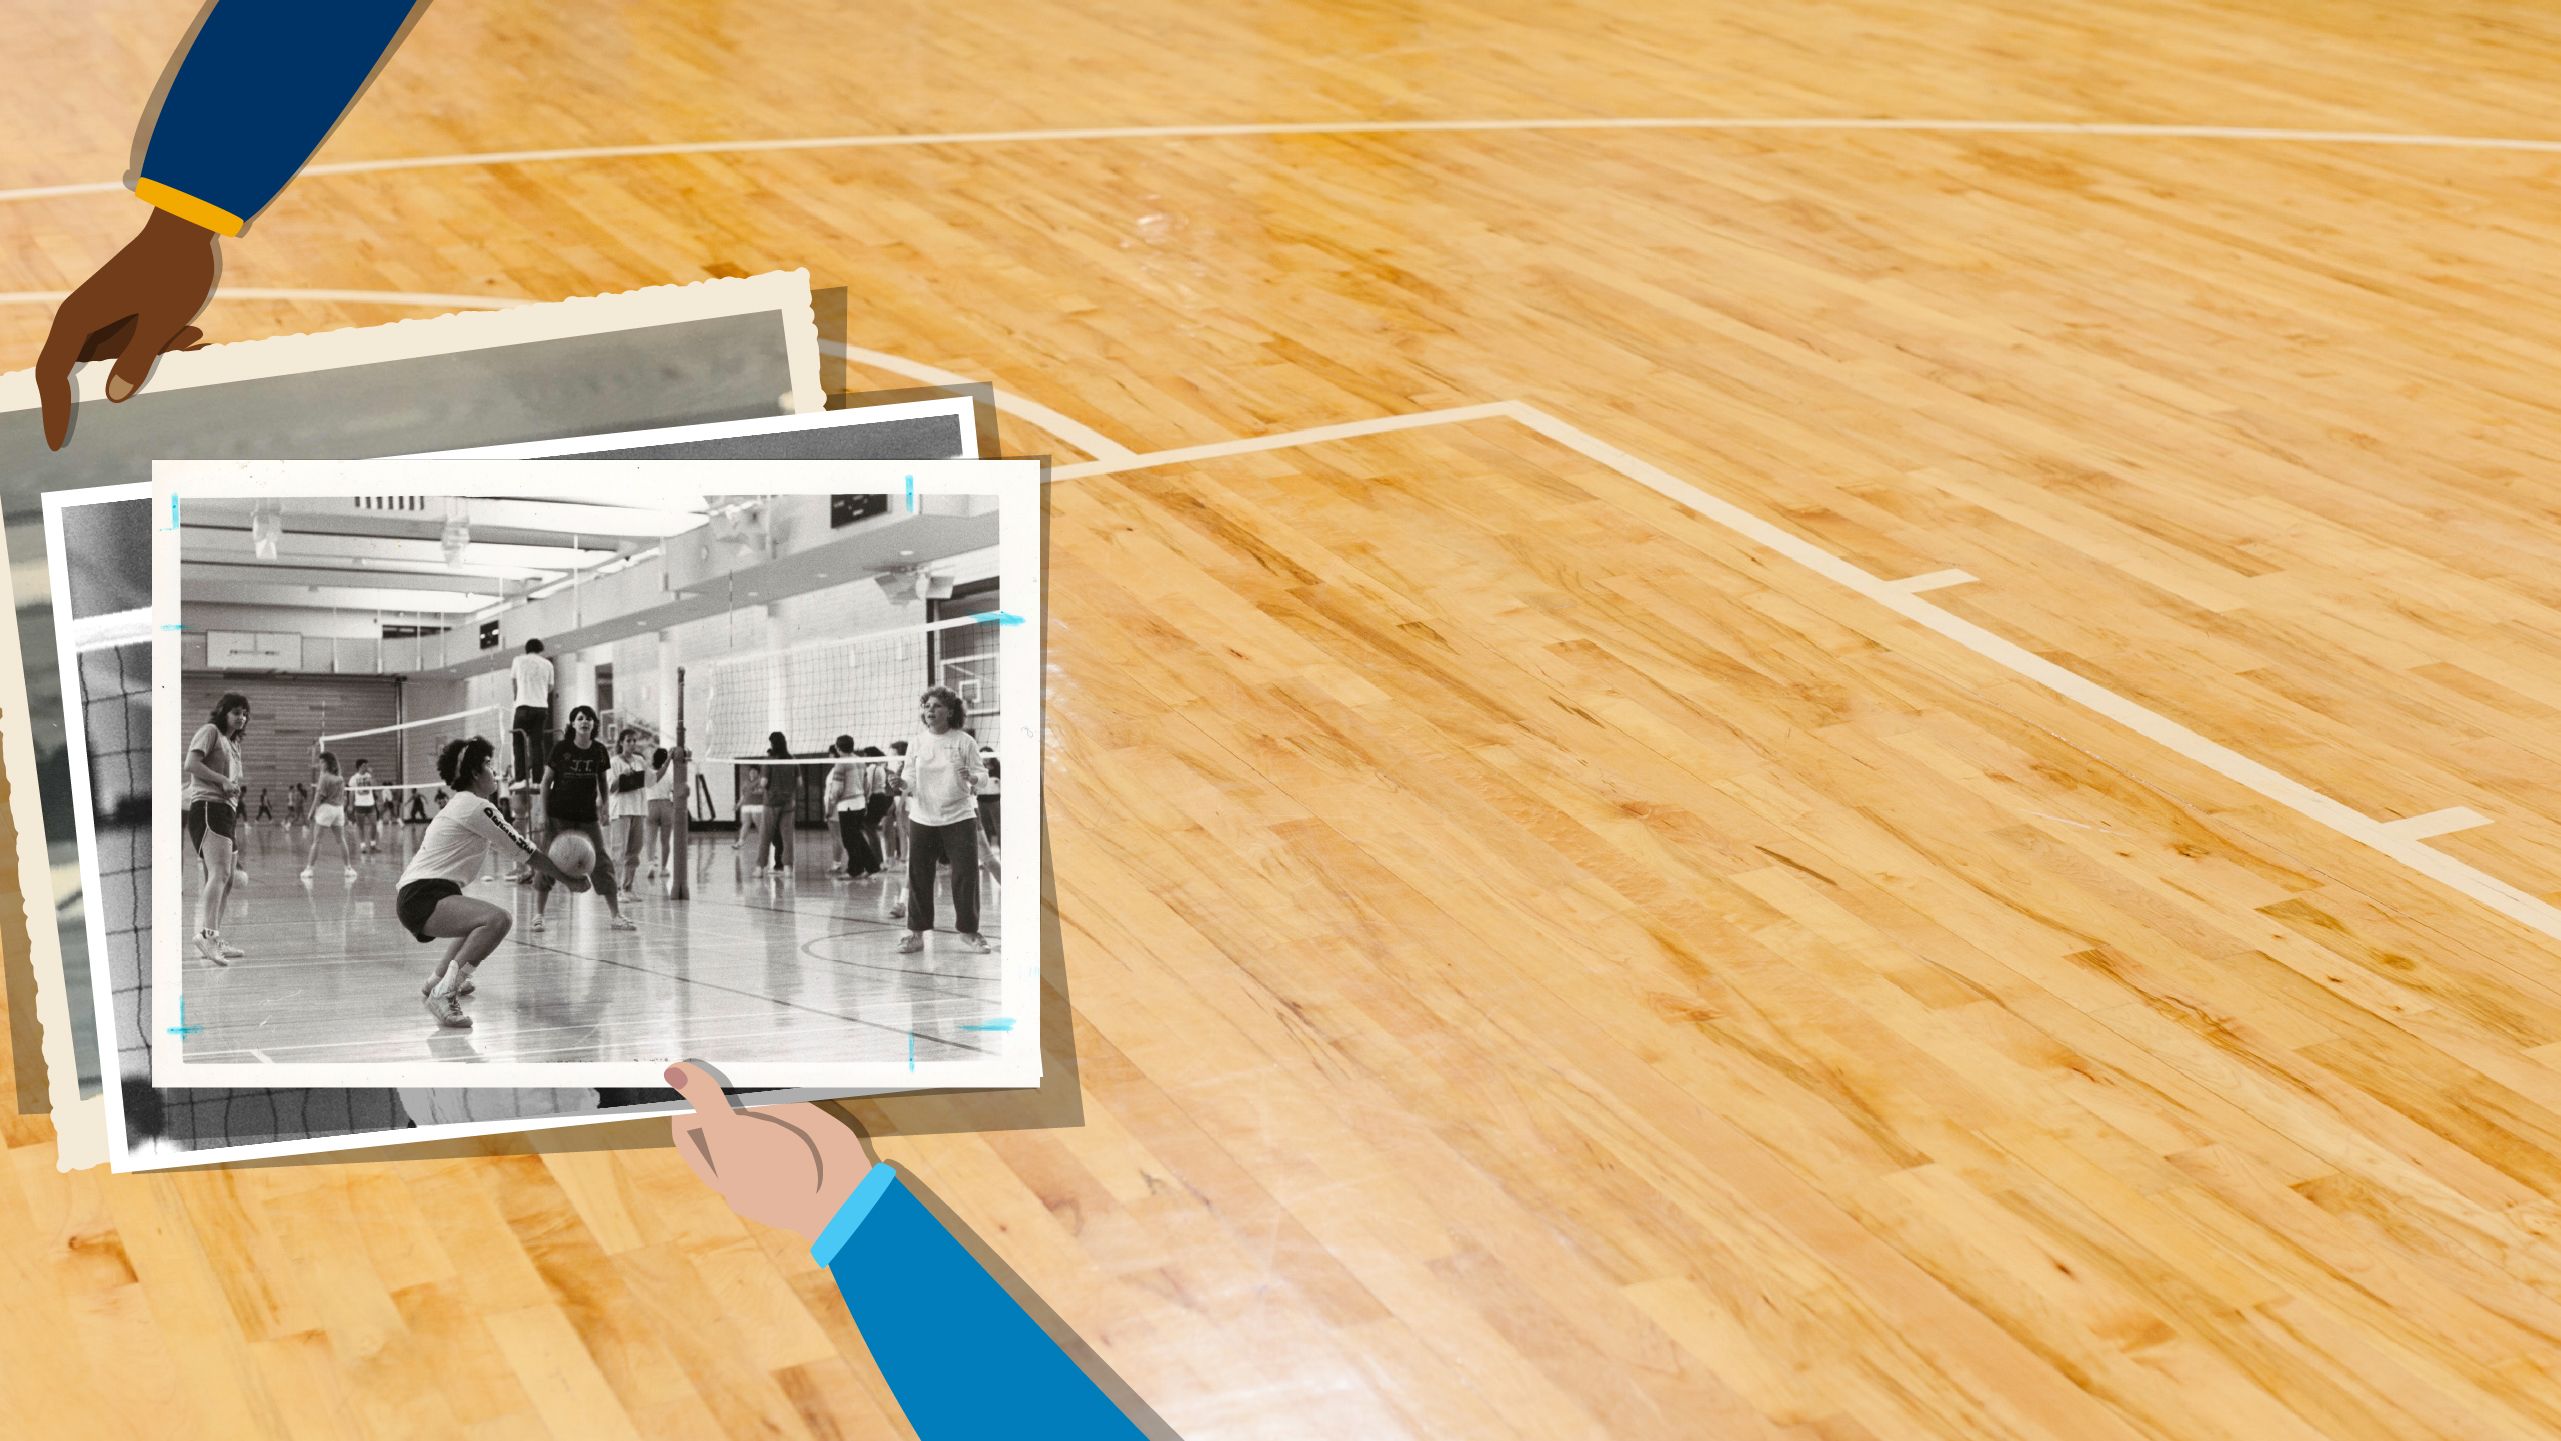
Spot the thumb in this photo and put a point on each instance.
(133, 367)
(695, 1082)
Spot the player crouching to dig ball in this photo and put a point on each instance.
(431, 905)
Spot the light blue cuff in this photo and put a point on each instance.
(840, 1231)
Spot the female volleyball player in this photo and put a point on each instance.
(844, 806)
(893, 836)
(629, 807)
(751, 812)
(430, 902)
(662, 809)
(213, 786)
(941, 784)
(573, 803)
(782, 799)
(328, 815)
(362, 797)
(991, 861)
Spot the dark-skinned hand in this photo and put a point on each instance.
(136, 308)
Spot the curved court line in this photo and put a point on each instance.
(342, 297)
(1075, 432)
(1376, 127)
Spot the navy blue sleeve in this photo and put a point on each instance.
(259, 88)
(961, 1357)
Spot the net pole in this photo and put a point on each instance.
(680, 884)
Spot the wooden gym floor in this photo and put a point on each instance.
(1550, 958)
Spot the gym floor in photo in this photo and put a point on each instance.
(1775, 722)
(800, 967)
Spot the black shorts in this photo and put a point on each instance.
(418, 900)
(203, 816)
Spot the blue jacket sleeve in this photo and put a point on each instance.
(256, 94)
(961, 1357)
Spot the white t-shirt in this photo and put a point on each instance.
(942, 778)
(458, 840)
(533, 680)
(634, 802)
(360, 792)
(220, 754)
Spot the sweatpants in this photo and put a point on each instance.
(957, 844)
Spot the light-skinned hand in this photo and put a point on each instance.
(791, 1166)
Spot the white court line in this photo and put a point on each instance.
(2397, 840)
(1315, 435)
(2402, 841)
(1935, 580)
(1075, 432)
(339, 297)
(1560, 124)
(2387, 838)
(2438, 823)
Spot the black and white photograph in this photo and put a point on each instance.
(98, 540)
(483, 773)
(101, 541)
(701, 356)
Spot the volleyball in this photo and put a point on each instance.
(574, 854)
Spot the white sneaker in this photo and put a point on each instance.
(625, 923)
(976, 942)
(209, 946)
(448, 1012)
(229, 951)
(351, 873)
(306, 873)
(911, 944)
(537, 925)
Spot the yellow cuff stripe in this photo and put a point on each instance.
(188, 208)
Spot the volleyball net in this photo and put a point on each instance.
(756, 727)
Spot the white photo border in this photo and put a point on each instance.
(1013, 1059)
